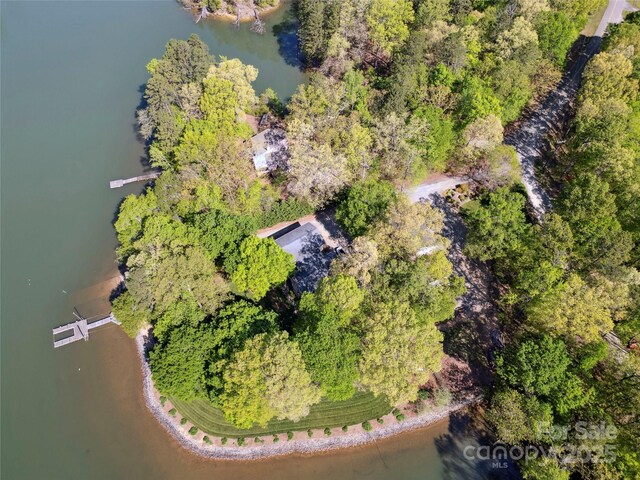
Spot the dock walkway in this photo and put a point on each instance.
(80, 329)
(139, 178)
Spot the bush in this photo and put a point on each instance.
(395, 412)
(276, 439)
(240, 441)
(442, 397)
(423, 394)
(223, 440)
(345, 429)
(183, 421)
(367, 426)
(380, 420)
(206, 440)
(172, 412)
(163, 400)
(310, 433)
(283, 211)
(400, 417)
(327, 432)
(258, 440)
(289, 436)
(193, 430)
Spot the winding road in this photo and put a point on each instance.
(529, 139)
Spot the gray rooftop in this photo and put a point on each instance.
(308, 248)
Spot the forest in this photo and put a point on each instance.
(398, 90)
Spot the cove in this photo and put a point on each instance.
(72, 74)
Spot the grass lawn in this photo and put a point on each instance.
(363, 406)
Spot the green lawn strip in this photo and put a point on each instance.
(362, 407)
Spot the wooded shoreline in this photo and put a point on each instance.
(306, 446)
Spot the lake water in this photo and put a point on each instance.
(71, 77)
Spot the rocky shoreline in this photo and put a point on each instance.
(296, 446)
(243, 15)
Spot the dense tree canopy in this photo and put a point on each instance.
(401, 89)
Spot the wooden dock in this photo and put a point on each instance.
(140, 178)
(80, 330)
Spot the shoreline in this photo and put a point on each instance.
(247, 16)
(300, 446)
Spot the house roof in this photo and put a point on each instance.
(307, 246)
(260, 142)
(294, 241)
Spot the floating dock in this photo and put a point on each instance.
(80, 330)
(139, 178)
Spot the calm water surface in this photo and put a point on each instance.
(71, 77)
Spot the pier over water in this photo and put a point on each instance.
(79, 329)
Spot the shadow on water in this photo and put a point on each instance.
(459, 446)
(288, 44)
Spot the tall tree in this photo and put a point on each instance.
(267, 379)
(261, 265)
(398, 353)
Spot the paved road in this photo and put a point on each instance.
(530, 139)
(436, 184)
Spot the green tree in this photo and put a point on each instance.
(536, 367)
(574, 310)
(179, 366)
(262, 264)
(329, 343)
(221, 233)
(131, 216)
(544, 468)
(366, 202)
(556, 34)
(398, 353)
(388, 22)
(267, 379)
(408, 230)
(590, 209)
(516, 417)
(132, 316)
(175, 315)
(158, 282)
(497, 225)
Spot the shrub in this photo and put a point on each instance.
(395, 411)
(163, 400)
(327, 432)
(310, 432)
(206, 440)
(258, 440)
(345, 429)
(423, 394)
(240, 441)
(400, 417)
(193, 430)
(276, 439)
(223, 440)
(289, 436)
(183, 421)
(172, 412)
(283, 211)
(367, 426)
(380, 420)
(442, 397)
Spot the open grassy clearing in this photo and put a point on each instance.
(362, 407)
